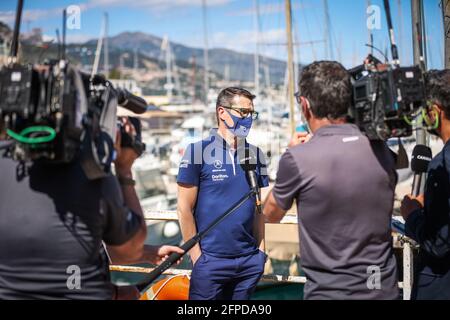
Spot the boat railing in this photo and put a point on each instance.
(407, 245)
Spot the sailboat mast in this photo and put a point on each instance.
(290, 66)
(135, 61)
(328, 37)
(257, 31)
(168, 56)
(446, 17)
(106, 49)
(193, 78)
(400, 28)
(64, 27)
(205, 53)
(369, 30)
(417, 32)
(98, 50)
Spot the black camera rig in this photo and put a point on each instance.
(386, 97)
(38, 108)
(53, 112)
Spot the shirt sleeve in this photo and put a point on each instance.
(287, 182)
(261, 170)
(432, 237)
(190, 166)
(121, 223)
(430, 228)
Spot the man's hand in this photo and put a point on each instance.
(157, 254)
(299, 138)
(125, 156)
(410, 204)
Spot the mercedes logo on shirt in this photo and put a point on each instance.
(217, 164)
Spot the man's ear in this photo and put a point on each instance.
(224, 116)
(220, 113)
(306, 108)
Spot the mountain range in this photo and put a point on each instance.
(129, 49)
(241, 65)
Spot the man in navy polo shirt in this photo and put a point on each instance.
(229, 261)
(427, 216)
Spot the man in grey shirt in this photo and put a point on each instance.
(53, 220)
(344, 188)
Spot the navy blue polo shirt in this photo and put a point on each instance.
(430, 227)
(214, 168)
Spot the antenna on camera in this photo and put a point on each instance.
(15, 40)
(58, 39)
(394, 50)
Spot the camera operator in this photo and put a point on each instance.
(53, 222)
(344, 188)
(427, 216)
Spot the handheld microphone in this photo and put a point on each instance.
(248, 161)
(131, 102)
(421, 157)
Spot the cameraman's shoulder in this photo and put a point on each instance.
(310, 148)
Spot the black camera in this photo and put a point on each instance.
(38, 108)
(385, 98)
(54, 112)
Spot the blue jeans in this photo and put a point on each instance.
(216, 278)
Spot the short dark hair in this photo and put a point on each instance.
(227, 95)
(437, 87)
(327, 86)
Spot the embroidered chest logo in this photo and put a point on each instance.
(217, 164)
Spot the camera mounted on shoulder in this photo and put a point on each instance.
(56, 113)
(386, 97)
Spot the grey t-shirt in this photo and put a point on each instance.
(52, 223)
(344, 188)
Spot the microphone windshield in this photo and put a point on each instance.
(421, 157)
(247, 159)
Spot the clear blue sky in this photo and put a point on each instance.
(231, 24)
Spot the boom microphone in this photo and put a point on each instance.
(248, 161)
(420, 159)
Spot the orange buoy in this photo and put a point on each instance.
(171, 288)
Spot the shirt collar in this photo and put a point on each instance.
(218, 141)
(338, 129)
(447, 144)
